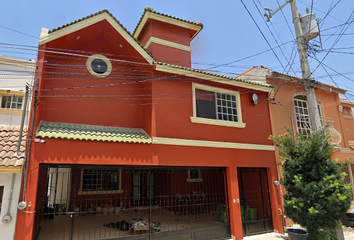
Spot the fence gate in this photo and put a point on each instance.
(111, 202)
(255, 201)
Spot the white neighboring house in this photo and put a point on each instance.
(14, 75)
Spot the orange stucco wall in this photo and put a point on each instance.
(135, 95)
(283, 110)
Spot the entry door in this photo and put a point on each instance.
(143, 188)
(255, 201)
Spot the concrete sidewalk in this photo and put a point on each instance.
(348, 235)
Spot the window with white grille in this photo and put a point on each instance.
(302, 115)
(216, 106)
(13, 102)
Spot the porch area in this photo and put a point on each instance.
(100, 202)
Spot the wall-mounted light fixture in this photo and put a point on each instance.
(276, 183)
(39, 140)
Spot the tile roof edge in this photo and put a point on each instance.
(214, 74)
(340, 90)
(96, 14)
(82, 124)
(149, 9)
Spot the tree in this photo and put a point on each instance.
(316, 195)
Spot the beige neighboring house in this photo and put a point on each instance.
(15, 74)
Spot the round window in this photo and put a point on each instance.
(99, 65)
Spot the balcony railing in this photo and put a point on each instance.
(302, 124)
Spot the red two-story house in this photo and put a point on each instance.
(127, 141)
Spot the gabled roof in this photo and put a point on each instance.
(150, 13)
(91, 132)
(9, 160)
(50, 35)
(196, 73)
(286, 77)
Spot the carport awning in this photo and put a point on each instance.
(91, 132)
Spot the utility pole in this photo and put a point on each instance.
(306, 73)
(305, 67)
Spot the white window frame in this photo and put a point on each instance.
(93, 192)
(12, 101)
(195, 119)
(305, 116)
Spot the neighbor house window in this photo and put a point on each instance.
(1, 196)
(13, 102)
(96, 181)
(302, 114)
(194, 175)
(216, 106)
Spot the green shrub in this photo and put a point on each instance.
(316, 195)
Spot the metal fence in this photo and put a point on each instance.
(101, 202)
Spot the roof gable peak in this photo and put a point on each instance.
(103, 15)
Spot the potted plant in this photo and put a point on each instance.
(316, 196)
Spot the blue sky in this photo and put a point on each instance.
(232, 40)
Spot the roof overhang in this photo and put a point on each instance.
(213, 77)
(151, 15)
(319, 85)
(73, 131)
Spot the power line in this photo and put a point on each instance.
(261, 33)
(272, 34)
(13, 30)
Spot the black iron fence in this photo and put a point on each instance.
(109, 202)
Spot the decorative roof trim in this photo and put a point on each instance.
(11, 169)
(73, 131)
(88, 21)
(190, 72)
(149, 13)
(167, 44)
(213, 144)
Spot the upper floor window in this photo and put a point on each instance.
(13, 102)
(99, 65)
(302, 115)
(216, 106)
(347, 111)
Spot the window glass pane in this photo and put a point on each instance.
(205, 103)
(194, 174)
(1, 195)
(6, 101)
(225, 109)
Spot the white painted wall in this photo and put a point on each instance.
(11, 120)
(7, 231)
(14, 75)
